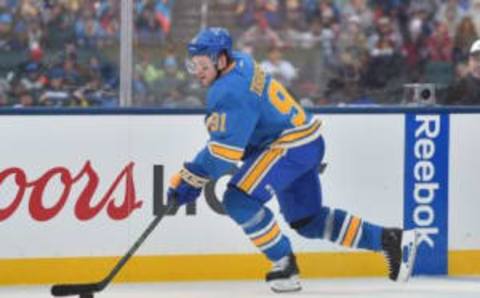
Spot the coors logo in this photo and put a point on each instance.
(87, 205)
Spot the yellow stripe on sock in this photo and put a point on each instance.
(351, 232)
(267, 237)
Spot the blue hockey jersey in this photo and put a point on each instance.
(248, 110)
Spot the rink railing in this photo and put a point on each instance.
(391, 165)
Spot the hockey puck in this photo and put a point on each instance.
(86, 295)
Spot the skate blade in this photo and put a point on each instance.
(409, 252)
(286, 285)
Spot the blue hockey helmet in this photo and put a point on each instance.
(211, 42)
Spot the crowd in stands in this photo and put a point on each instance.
(363, 51)
(327, 52)
(62, 44)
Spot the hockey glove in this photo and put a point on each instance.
(186, 185)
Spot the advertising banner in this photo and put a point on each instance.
(80, 189)
(426, 188)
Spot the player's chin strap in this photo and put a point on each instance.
(193, 179)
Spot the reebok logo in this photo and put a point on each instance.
(426, 188)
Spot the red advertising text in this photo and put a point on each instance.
(84, 208)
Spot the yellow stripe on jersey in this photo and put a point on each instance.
(299, 134)
(228, 153)
(267, 237)
(352, 231)
(259, 168)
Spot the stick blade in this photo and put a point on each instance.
(74, 289)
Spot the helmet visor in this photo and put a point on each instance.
(197, 64)
(190, 66)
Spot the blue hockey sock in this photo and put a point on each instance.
(258, 223)
(342, 228)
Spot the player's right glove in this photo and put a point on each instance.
(187, 184)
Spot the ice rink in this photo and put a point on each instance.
(442, 287)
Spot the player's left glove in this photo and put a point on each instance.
(187, 184)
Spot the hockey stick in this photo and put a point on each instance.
(87, 289)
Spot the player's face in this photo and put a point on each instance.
(204, 69)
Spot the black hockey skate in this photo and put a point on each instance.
(400, 248)
(284, 275)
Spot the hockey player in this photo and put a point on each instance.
(252, 118)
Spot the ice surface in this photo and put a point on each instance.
(420, 287)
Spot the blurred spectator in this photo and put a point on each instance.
(328, 12)
(153, 20)
(465, 35)
(353, 53)
(147, 26)
(440, 44)
(6, 25)
(439, 68)
(419, 25)
(93, 93)
(107, 72)
(145, 78)
(36, 34)
(88, 30)
(385, 65)
(171, 88)
(148, 71)
(329, 45)
(55, 94)
(386, 32)
(466, 91)
(4, 102)
(30, 8)
(294, 15)
(417, 31)
(36, 52)
(310, 10)
(25, 99)
(140, 90)
(299, 35)
(245, 13)
(33, 79)
(110, 22)
(163, 14)
(359, 11)
(94, 65)
(429, 7)
(263, 21)
(260, 35)
(250, 12)
(353, 41)
(4, 93)
(475, 14)
(451, 14)
(59, 24)
(280, 68)
(72, 72)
